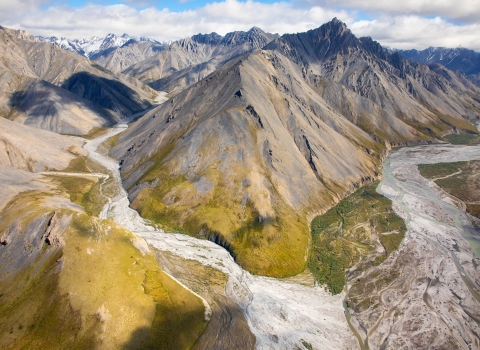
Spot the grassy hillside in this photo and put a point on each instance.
(91, 287)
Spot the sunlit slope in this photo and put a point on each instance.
(70, 279)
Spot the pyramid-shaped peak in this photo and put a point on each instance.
(336, 26)
(256, 30)
(335, 20)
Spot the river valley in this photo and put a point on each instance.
(429, 287)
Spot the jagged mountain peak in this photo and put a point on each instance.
(209, 39)
(323, 42)
(255, 37)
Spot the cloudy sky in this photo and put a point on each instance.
(396, 23)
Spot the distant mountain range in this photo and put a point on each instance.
(96, 45)
(464, 60)
(113, 52)
(119, 53)
(189, 60)
(125, 52)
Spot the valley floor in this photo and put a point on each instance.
(426, 279)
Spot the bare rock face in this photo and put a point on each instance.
(189, 60)
(52, 234)
(50, 88)
(431, 101)
(247, 155)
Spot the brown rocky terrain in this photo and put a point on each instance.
(50, 88)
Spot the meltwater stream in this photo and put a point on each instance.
(281, 315)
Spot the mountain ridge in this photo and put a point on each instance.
(464, 60)
(46, 86)
(188, 60)
(279, 135)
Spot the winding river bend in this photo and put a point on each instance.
(288, 315)
(281, 314)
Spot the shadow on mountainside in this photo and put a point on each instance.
(106, 93)
(109, 98)
(175, 326)
(42, 99)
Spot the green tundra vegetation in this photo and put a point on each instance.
(431, 171)
(67, 296)
(460, 179)
(463, 139)
(345, 233)
(274, 246)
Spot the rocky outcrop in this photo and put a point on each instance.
(51, 236)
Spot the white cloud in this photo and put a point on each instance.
(12, 10)
(398, 31)
(221, 17)
(463, 10)
(407, 32)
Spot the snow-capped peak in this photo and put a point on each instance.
(94, 45)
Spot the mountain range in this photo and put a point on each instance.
(460, 59)
(50, 88)
(113, 52)
(189, 60)
(260, 134)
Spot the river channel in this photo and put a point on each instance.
(437, 294)
(287, 315)
(281, 314)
